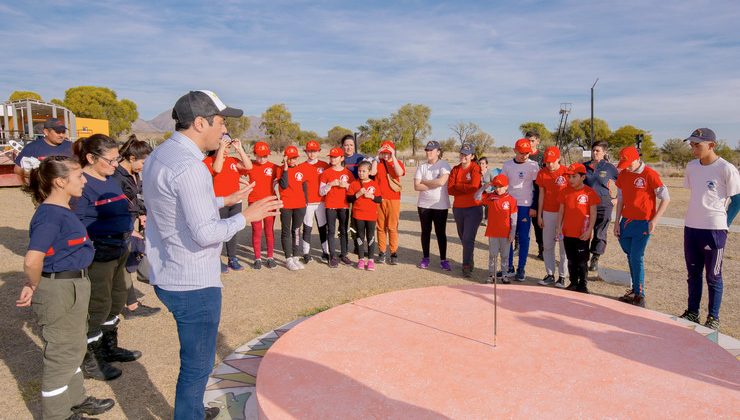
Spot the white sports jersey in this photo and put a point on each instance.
(521, 180)
(711, 186)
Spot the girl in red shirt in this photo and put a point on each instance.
(264, 175)
(365, 194)
(226, 171)
(464, 181)
(333, 185)
(294, 195)
(576, 219)
(315, 208)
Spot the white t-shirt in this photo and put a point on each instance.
(521, 179)
(711, 186)
(433, 198)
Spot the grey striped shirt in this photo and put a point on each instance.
(184, 231)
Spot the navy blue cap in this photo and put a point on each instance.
(467, 149)
(54, 124)
(432, 145)
(702, 134)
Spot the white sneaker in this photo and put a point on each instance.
(290, 263)
(298, 263)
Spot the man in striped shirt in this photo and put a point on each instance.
(184, 237)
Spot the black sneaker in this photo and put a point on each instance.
(505, 280)
(467, 271)
(325, 257)
(381, 258)
(345, 260)
(270, 263)
(333, 262)
(510, 271)
(93, 406)
(594, 266)
(520, 277)
(141, 311)
(712, 323)
(394, 259)
(306, 259)
(560, 284)
(582, 288)
(549, 280)
(690, 316)
(572, 286)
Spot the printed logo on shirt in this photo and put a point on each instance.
(506, 205)
(468, 177)
(582, 199)
(268, 171)
(711, 185)
(343, 178)
(602, 174)
(521, 175)
(233, 167)
(319, 171)
(299, 176)
(371, 189)
(640, 182)
(560, 180)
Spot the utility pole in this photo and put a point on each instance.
(592, 111)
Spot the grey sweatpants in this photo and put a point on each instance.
(496, 247)
(550, 220)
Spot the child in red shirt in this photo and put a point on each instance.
(264, 175)
(334, 183)
(576, 219)
(226, 171)
(501, 229)
(315, 209)
(551, 180)
(365, 194)
(293, 194)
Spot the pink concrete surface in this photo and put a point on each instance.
(428, 353)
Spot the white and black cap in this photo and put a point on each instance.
(201, 103)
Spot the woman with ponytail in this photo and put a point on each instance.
(58, 287)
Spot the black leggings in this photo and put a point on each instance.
(438, 218)
(225, 213)
(365, 238)
(291, 221)
(332, 215)
(577, 252)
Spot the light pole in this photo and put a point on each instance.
(592, 111)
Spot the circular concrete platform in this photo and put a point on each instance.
(428, 353)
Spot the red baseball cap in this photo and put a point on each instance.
(291, 152)
(626, 156)
(336, 152)
(387, 145)
(523, 146)
(261, 149)
(500, 180)
(313, 146)
(552, 154)
(576, 168)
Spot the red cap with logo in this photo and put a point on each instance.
(500, 180)
(387, 145)
(261, 149)
(291, 152)
(626, 156)
(336, 152)
(313, 146)
(576, 168)
(523, 146)
(552, 154)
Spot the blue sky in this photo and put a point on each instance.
(664, 66)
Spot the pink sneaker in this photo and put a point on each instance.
(361, 264)
(370, 265)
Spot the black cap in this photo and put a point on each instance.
(201, 103)
(54, 124)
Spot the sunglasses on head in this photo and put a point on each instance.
(60, 130)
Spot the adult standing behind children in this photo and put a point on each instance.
(713, 182)
(54, 143)
(550, 181)
(433, 203)
(600, 176)
(388, 170)
(464, 181)
(639, 189)
(185, 235)
(538, 157)
(521, 173)
(264, 176)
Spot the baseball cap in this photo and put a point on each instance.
(467, 149)
(432, 145)
(387, 145)
(201, 103)
(627, 155)
(336, 152)
(500, 180)
(291, 152)
(702, 134)
(313, 146)
(552, 154)
(576, 168)
(261, 149)
(54, 124)
(523, 145)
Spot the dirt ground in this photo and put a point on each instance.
(256, 302)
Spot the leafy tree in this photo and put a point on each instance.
(24, 94)
(546, 136)
(463, 130)
(279, 126)
(449, 145)
(374, 132)
(238, 126)
(482, 142)
(101, 103)
(625, 136)
(676, 152)
(725, 151)
(579, 133)
(411, 122)
(306, 136)
(334, 136)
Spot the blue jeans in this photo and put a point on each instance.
(467, 220)
(703, 250)
(633, 238)
(523, 225)
(197, 313)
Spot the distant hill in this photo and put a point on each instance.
(164, 122)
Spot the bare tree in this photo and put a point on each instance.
(464, 130)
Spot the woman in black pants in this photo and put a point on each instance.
(433, 203)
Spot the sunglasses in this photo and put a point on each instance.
(110, 161)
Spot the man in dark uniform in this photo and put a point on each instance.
(600, 174)
(537, 156)
(54, 143)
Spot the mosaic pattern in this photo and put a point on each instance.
(231, 386)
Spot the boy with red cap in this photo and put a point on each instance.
(294, 194)
(364, 194)
(315, 209)
(502, 214)
(521, 172)
(639, 187)
(550, 181)
(264, 175)
(388, 170)
(575, 224)
(333, 185)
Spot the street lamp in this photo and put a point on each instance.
(592, 110)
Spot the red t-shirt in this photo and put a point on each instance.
(500, 209)
(313, 172)
(336, 198)
(382, 179)
(577, 209)
(264, 176)
(638, 193)
(463, 183)
(364, 208)
(293, 197)
(225, 182)
(552, 182)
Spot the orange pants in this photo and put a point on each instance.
(389, 211)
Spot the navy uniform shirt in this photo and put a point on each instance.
(598, 178)
(57, 232)
(351, 162)
(103, 208)
(41, 149)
